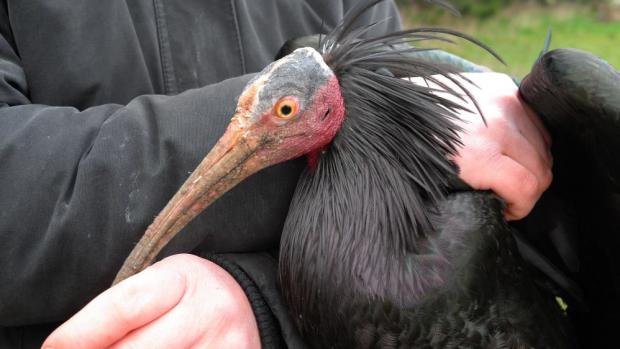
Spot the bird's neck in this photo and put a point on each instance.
(313, 158)
(355, 219)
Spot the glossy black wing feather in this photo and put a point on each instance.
(577, 96)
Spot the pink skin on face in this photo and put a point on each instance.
(305, 134)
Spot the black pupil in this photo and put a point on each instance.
(286, 109)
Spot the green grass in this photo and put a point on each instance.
(518, 34)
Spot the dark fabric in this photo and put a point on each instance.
(105, 107)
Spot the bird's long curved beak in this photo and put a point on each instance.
(229, 162)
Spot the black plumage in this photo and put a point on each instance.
(577, 221)
(376, 253)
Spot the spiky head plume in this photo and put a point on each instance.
(408, 125)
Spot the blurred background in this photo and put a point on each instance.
(516, 29)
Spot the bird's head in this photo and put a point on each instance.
(291, 108)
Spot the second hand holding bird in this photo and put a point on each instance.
(510, 153)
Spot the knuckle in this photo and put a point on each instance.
(498, 121)
(124, 305)
(501, 128)
(528, 185)
(519, 212)
(231, 305)
(241, 337)
(227, 296)
(547, 179)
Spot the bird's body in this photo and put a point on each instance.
(351, 284)
(577, 95)
(373, 255)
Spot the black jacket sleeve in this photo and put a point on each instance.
(78, 188)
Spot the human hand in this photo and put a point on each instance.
(510, 155)
(183, 301)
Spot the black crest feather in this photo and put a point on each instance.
(408, 125)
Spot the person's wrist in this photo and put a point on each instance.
(228, 308)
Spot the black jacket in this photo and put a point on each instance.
(105, 107)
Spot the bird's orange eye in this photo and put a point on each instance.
(287, 108)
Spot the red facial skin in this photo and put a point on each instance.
(308, 133)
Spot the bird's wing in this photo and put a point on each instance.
(577, 95)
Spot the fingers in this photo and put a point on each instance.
(531, 156)
(157, 334)
(501, 159)
(528, 124)
(214, 313)
(521, 141)
(119, 310)
(510, 153)
(524, 171)
(519, 186)
(520, 192)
